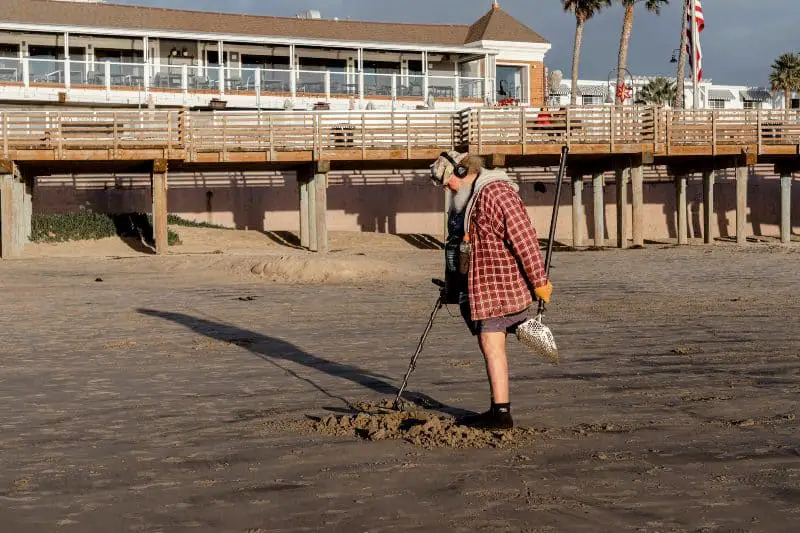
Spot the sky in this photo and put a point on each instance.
(740, 41)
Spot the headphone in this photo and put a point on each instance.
(459, 170)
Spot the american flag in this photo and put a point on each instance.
(692, 42)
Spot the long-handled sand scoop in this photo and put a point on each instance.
(533, 333)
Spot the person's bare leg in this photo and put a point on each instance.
(493, 347)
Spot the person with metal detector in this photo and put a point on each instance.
(493, 264)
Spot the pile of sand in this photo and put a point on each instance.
(305, 268)
(354, 257)
(375, 422)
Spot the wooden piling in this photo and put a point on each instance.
(321, 211)
(19, 213)
(637, 202)
(12, 224)
(7, 233)
(741, 204)
(599, 210)
(786, 208)
(681, 208)
(312, 215)
(27, 210)
(577, 211)
(622, 206)
(708, 206)
(158, 185)
(303, 178)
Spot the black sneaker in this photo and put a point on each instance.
(491, 419)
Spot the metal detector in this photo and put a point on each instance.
(440, 301)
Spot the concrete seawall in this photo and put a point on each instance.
(404, 201)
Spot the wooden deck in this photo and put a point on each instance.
(621, 138)
(297, 137)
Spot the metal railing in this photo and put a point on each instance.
(244, 80)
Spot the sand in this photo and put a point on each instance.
(374, 422)
(205, 252)
(240, 384)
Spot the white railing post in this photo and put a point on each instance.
(327, 85)
(146, 76)
(457, 90)
(293, 81)
(107, 75)
(424, 76)
(394, 87)
(257, 83)
(221, 76)
(26, 72)
(67, 80)
(185, 78)
(361, 84)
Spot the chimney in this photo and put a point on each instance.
(495, 4)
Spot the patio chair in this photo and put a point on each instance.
(95, 77)
(234, 83)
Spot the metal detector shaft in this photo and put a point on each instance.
(412, 365)
(562, 168)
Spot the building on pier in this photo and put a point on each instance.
(91, 53)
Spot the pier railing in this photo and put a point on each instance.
(354, 134)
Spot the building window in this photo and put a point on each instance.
(9, 50)
(794, 103)
(752, 104)
(381, 67)
(592, 99)
(714, 103)
(322, 64)
(510, 83)
(266, 62)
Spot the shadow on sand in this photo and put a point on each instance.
(135, 230)
(274, 350)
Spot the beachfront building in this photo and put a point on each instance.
(88, 52)
(712, 96)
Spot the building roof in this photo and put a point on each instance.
(720, 94)
(583, 90)
(593, 90)
(495, 25)
(756, 95)
(561, 90)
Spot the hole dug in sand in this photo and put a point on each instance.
(421, 428)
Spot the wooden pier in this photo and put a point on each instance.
(601, 139)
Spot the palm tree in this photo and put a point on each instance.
(659, 91)
(654, 6)
(785, 76)
(583, 11)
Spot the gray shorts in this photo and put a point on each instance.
(506, 324)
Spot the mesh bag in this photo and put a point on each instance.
(538, 337)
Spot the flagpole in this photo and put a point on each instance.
(695, 41)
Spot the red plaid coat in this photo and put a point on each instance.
(503, 240)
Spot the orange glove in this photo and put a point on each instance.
(543, 293)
